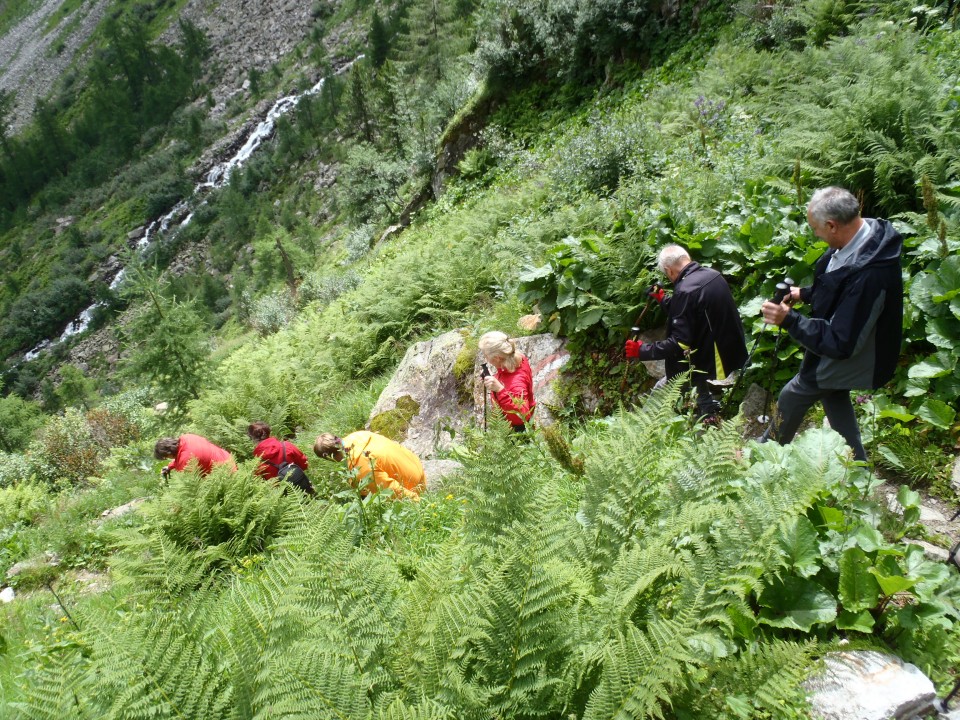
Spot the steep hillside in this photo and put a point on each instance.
(482, 161)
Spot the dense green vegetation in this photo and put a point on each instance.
(622, 566)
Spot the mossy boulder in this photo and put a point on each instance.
(394, 423)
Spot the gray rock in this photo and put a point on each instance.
(426, 407)
(931, 551)
(955, 478)
(754, 403)
(655, 368)
(421, 405)
(123, 509)
(437, 470)
(869, 685)
(48, 559)
(136, 233)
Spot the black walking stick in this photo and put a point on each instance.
(634, 331)
(484, 373)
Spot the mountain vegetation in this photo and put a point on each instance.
(462, 164)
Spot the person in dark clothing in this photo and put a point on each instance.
(852, 336)
(704, 331)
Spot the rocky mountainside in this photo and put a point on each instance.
(243, 34)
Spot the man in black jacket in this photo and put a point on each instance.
(852, 337)
(704, 331)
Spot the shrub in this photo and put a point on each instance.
(22, 503)
(268, 313)
(111, 429)
(66, 451)
(605, 151)
(14, 468)
(19, 419)
(324, 288)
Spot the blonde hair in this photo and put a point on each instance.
(496, 343)
(326, 445)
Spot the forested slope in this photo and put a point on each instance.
(482, 160)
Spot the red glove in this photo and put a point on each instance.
(632, 348)
(657, 292)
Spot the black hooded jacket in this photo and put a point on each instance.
(703, 326)
(853, 334)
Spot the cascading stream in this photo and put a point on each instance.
(181, 214)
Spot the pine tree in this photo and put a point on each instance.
(379, 41)
(168, 342)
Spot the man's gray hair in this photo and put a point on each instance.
(671, 256)
(833, 203)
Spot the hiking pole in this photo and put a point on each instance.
(484, 372)
(634, 331)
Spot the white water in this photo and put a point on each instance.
(180, 215)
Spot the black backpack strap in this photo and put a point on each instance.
(283, 448)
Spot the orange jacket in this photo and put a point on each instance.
(394, 467)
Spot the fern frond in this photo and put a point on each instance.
(640, 671)
(309, 683)
(529, 618)
(625, 473)
(52, 689)
(148, 669)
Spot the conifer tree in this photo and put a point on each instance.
(168, 342)
(379, 41)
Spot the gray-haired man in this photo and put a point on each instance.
(852, 336)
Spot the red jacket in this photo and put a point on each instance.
(205, 452)
(271, 451)
(516, 398)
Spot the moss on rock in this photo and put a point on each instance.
(394, 423)
(463, 367)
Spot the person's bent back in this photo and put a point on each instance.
(394, 467)
(191, 447)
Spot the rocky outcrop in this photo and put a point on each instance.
(438, 470)
(33, 59)
(869, 685)
(436, 391)
(955, 477)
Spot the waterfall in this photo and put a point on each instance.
(181, 214)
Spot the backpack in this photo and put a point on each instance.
(292, 473)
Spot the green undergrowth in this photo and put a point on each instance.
(679, 575)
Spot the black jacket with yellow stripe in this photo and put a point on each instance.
(703, 328)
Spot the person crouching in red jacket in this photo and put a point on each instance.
(273, 451)
(191, 447)
(511, 387)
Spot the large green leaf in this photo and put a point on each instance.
(858, 622)
(889, 575)
(869, 538)
(799, 544)
(832, 518)
(937, 413)
(933, 292)
(859, 590)
(534, 274)
(944, 333)
(588, 318)
(934, 366)
(798, 604)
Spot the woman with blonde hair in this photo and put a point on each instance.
(511, 386)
